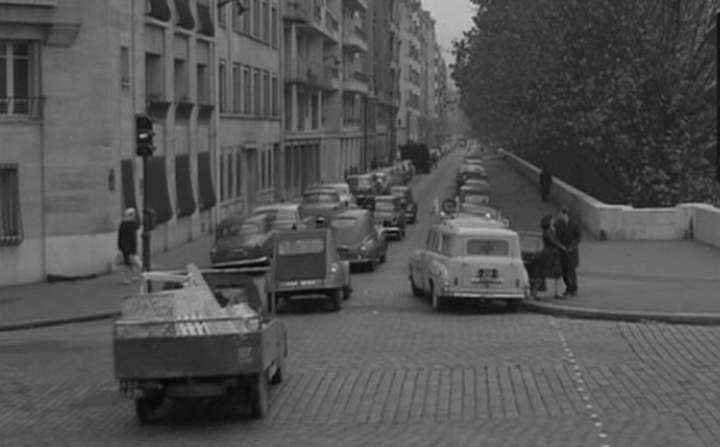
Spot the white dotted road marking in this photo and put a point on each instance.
(580, 382)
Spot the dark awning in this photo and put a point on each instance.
(205, 182)
(127, 172)
(159, 9)
(183, 186)
(185, 18)
(158, 195)
(206, 24)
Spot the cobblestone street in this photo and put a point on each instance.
(388, 371)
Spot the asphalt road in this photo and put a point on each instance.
(388, 371)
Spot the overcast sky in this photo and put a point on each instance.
(453, 17)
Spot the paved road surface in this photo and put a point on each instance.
(388, 371)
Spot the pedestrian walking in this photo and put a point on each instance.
(127, 244)
(549, 263)
(545, 183)
(569, 234)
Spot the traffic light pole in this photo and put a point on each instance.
(147, 223)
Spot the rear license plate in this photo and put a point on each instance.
(487, 273)
(301, 283)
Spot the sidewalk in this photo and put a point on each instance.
(675, 281)
(42, 304)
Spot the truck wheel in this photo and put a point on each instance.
(513, 305)
(336, 299)
(146, 408)
(279, 375)
(258, 394)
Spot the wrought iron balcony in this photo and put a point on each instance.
(313, 74)
(356, 82)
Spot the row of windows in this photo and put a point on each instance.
(259, 174)
(16, 85)
(259, 21)
(248, 90)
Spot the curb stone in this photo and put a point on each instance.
(33, 324)
(709, 318)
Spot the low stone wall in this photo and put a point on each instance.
(697, 221)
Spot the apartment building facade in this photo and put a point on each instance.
(383, 99)
(75, 75)
(410, 107)
(250, 158)
(440, 119)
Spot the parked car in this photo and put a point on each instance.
(408, 170)
(408, 201)
(472, 259)
(390, 212)
(283, 216)
(468, 209)
(320, 204)
(359, 239)
(363, 187)
(474, 188)
(242, 241)
(474, 173)
(307, 262)
(383, 178)
(343, 189)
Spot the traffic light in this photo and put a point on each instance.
(144, 146)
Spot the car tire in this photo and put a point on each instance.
(513, 305)
(416, 291)
(279, 375)
(373, 264)
(401, 235)
(383, 257)
(347, 293)
(336, 299)
(258, 395)
(146, 408)
(436, 302)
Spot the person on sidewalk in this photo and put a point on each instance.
(127, 244)
(569, 234)
(549, 263)
(545, 183)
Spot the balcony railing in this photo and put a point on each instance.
(355, 38)
(313, 74)
(298, 11)
(29, 108)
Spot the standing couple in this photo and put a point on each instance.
(560, 256)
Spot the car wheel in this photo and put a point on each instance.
(336, 299)
(372, 265)
(383, 257)
(513, 305)
(347, 292)
(279, 375)
(258, 395)
(436, 304)
(416, 291)
(402, 233)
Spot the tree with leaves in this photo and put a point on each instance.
(609, 93)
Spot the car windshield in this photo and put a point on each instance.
(271, 213)
(488, 247)
(301, 247)
(344, 222)
(384, 205)
(360, 182)
(321, 197)
(237, 229)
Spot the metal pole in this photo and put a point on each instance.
(717, 99)
(146, 215)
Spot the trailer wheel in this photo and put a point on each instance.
(146, 408)
(258, 394)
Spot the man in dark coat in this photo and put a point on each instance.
(569, 234)
(545, 182)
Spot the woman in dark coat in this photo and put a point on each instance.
(127, 244)
(549, 264)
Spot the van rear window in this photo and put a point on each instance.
(301, 247)
(488, 247)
